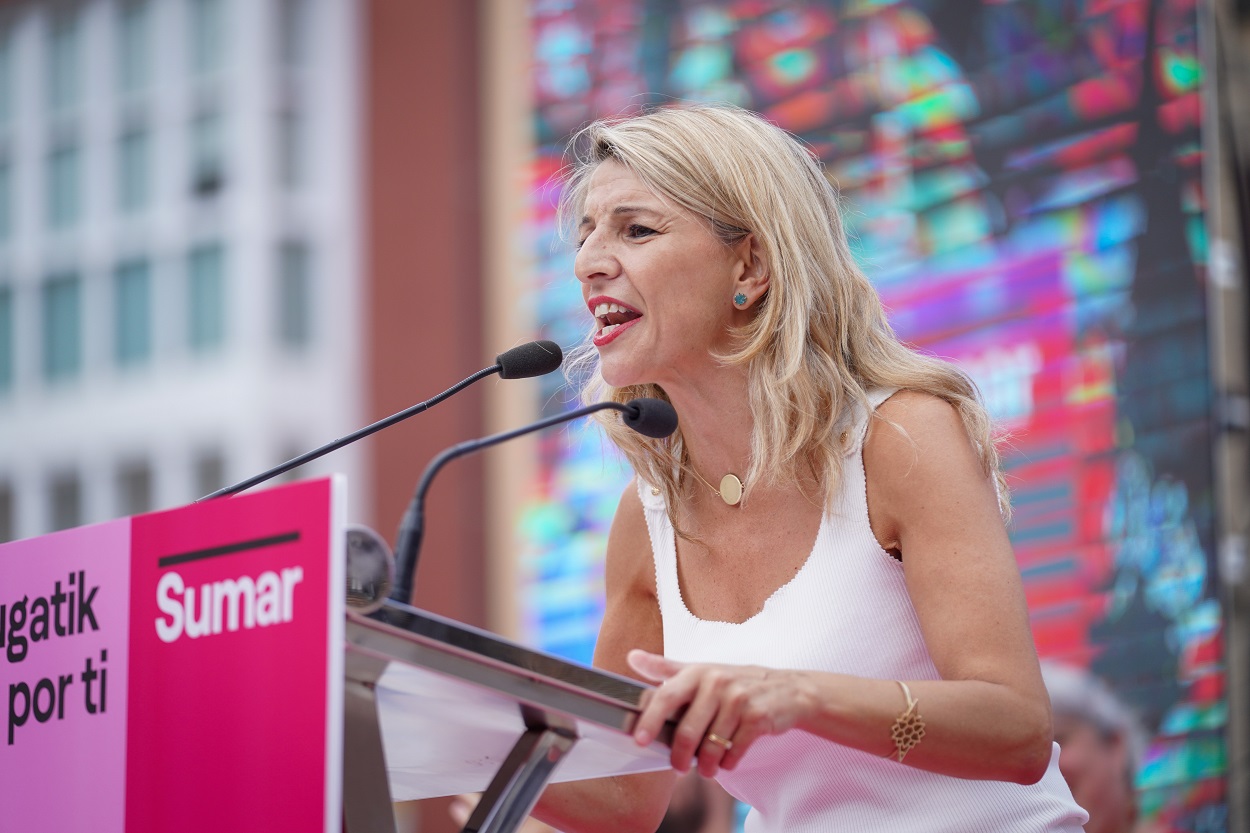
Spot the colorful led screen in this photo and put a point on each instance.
(1023, 183)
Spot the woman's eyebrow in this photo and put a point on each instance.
(618, 211)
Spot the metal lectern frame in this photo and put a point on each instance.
(556, 703)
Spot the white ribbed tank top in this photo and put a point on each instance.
(846, 611)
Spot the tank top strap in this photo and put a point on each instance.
(652, 499)
(853, 436)
(876, 396)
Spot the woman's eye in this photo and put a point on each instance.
(636, 230)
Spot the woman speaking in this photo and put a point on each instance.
(814, 570)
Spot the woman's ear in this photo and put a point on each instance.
(753, 275)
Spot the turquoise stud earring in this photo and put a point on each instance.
(740, 300)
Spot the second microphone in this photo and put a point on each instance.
(649, 417)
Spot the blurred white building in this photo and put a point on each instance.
(180, 253)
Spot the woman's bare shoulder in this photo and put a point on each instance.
(917, 442)
(629, 568)
(629, 525)
(631, 617)
(916, 410)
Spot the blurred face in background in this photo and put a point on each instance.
(1095, 765)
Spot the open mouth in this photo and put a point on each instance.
(612, 317)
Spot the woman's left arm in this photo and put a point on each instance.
(987, 717)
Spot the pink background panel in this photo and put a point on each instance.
(229, 731)
(68, 774)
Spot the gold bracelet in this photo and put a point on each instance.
(908, 728)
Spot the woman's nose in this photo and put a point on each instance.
(595, 261)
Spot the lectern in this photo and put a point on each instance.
(197, 670)
(435, 707)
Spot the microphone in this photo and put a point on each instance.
(650, 417)
(534, 358)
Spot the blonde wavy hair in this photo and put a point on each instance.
(819, 340)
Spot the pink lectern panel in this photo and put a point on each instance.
(189, 679)
(64, 607)
(231, 611)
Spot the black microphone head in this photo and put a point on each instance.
(650, 417)
(537, 358)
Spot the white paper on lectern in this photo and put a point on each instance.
(446, 736)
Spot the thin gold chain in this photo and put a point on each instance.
(715, 491)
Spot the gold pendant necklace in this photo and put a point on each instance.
(730, 489)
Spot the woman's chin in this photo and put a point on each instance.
(618, 381)
(619, 375)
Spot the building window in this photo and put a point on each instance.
(295, 295)
(293, 33)
(208, 36)
(134, 488)
(8, 513)
(7, 75)
(210, 472)
(134, 165)
(132, 296)
(134, 46)
(206, 298)
(62, 327)
(290, 161)
(65, 500)
(6, 202)
(64, 62)
(63, 188)
(8, 339)
(208, 162)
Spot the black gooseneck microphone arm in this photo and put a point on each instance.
(534, 358)
(651, 417)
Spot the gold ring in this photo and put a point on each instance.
(724, 743)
